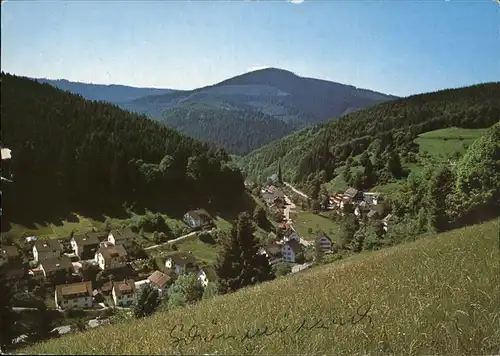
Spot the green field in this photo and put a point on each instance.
(304, 220)
(443, 144)
(434, 296)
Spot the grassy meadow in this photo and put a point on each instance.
(437, 295)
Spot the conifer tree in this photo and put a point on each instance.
(440, 186)
(239, 264)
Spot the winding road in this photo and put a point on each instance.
(296, 190)
(171, 241)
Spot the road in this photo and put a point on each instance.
(288, 207)
(171, 241)
(296, 190)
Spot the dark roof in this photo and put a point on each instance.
(15, 272)
(100, 235)
(112, 251)
(351, 192)
(273, 249)
(123, 234)
(9, 251)
(68, 291)
(159, 278)
(124, 287)
(85, 240)
(183, 258)
(295, 246)
(200, 214)
(47, 245)
(55, 264)
(322, 234)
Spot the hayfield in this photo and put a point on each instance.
(434, 296)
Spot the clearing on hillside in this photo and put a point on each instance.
(434, 296)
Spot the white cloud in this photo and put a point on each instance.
(296, 1)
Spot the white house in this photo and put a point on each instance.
(290, 250)
(290, 235)
(273, 252)
(75, 295)
(123, 293)
(385, 222)
(197, 218)
(181, 263)
(123, 237)
(324, 242)
(111, 257)
(202, 277)
(85, 246)
(46, 249)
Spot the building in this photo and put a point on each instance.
(9, 254)
(124, 293)
(273, 252)
(59, 268)
(353, 194)
(160, 281)
(324, 242)
(291, 234)
(111, 257)
(85, 246)
(197, 218)
(123, 237)
(386, 220)
(74, 295)
(46, 249)
(290, 250)
(182, 263)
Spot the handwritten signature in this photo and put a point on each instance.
(181, 334)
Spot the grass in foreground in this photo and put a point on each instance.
(434, 296)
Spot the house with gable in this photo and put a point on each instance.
(160, 281)
(324, 242)
(290, 250)
(110, 257)
(124, 237)
(46, 249)
(124, 293)
(182, 263)
(197, 218)
(353, 195)
(74, 295)
(85, 246)
(273, 252)
(291, 234)
(58, 269)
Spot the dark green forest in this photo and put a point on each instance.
(238, 131)
(71, 154)
(395, 124)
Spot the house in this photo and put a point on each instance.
(291, 234)
(85, 246)
(353, 194)
(123, 237)
(372, 198)
(290, 250)
(274, 197)
(181, 263)
(385, 222)
(160, 281)
(123, 293)
(324, 242)
(197, 218)
(9, 254)
(202, 277)
(46, 249)
(74, 295)
(15, 272)
(36, 274)
(273, 252)
(56, 267)
(111, 257)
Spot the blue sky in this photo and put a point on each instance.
(399, 47)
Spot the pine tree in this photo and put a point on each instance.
(238, 263)
(440, 186)
(394, 164)
(280, 176)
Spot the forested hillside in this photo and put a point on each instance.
(71, 153)
(396, 124)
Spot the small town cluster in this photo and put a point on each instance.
(59, 266)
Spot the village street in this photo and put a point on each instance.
(289, 205)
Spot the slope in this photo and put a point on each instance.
(70, 154)
(326, 147)
(434, 296)
(111, 93)
(287, 101)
